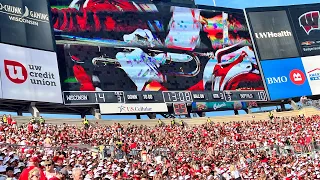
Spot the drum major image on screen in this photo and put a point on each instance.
(113, 45)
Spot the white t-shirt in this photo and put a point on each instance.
(235, 174)
(158, 159)
(210, 177)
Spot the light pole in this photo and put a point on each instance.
(214, 2)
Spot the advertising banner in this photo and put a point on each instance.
(152, 47)
(29, 74)
(116, 108)
(285, 78)
(26, 23)
(272, 34)
(217, 106)
(312, 68)
(306, 20)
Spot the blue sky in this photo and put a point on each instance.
(253, 3)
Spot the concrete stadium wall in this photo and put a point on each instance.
(192, 121)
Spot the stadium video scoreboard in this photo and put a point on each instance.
(132, 97)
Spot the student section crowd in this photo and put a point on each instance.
(281, 148)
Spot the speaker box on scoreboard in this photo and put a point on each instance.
(180, 109)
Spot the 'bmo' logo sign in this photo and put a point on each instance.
(277, 80)
(296, 76)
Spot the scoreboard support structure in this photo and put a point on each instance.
(34, 110)
(96, 113)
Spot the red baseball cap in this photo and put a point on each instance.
(34, 159)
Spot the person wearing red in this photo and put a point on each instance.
(30, 127)
(9, 120)
(33, 171)
(14, 123)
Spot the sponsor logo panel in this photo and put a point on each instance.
(273, 34)
(285, 78)
(26, 23)
(29, 74)
(116, 108)
(217, 106)
(312, 68)
(306, 23)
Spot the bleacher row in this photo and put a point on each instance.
(307, 111)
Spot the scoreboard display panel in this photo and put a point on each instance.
(129, 52)
(136, 97)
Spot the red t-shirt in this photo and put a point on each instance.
(133, 145)
(301, 141)
(9, 120)
(32, 170)
(308, 140)
(30, 128)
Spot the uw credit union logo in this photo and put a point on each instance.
(15, 71)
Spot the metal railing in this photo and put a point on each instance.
(116, 152)
(310, 102)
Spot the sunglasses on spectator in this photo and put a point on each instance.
(48, 165)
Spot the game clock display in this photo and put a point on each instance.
(177, 96)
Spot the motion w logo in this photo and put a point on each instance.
(15, 71)
(310, 21)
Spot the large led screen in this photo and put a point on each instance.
(118, 45)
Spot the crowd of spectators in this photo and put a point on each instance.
(281, 148)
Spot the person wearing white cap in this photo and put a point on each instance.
(2, 172)
(3, 177)
(17, 173)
